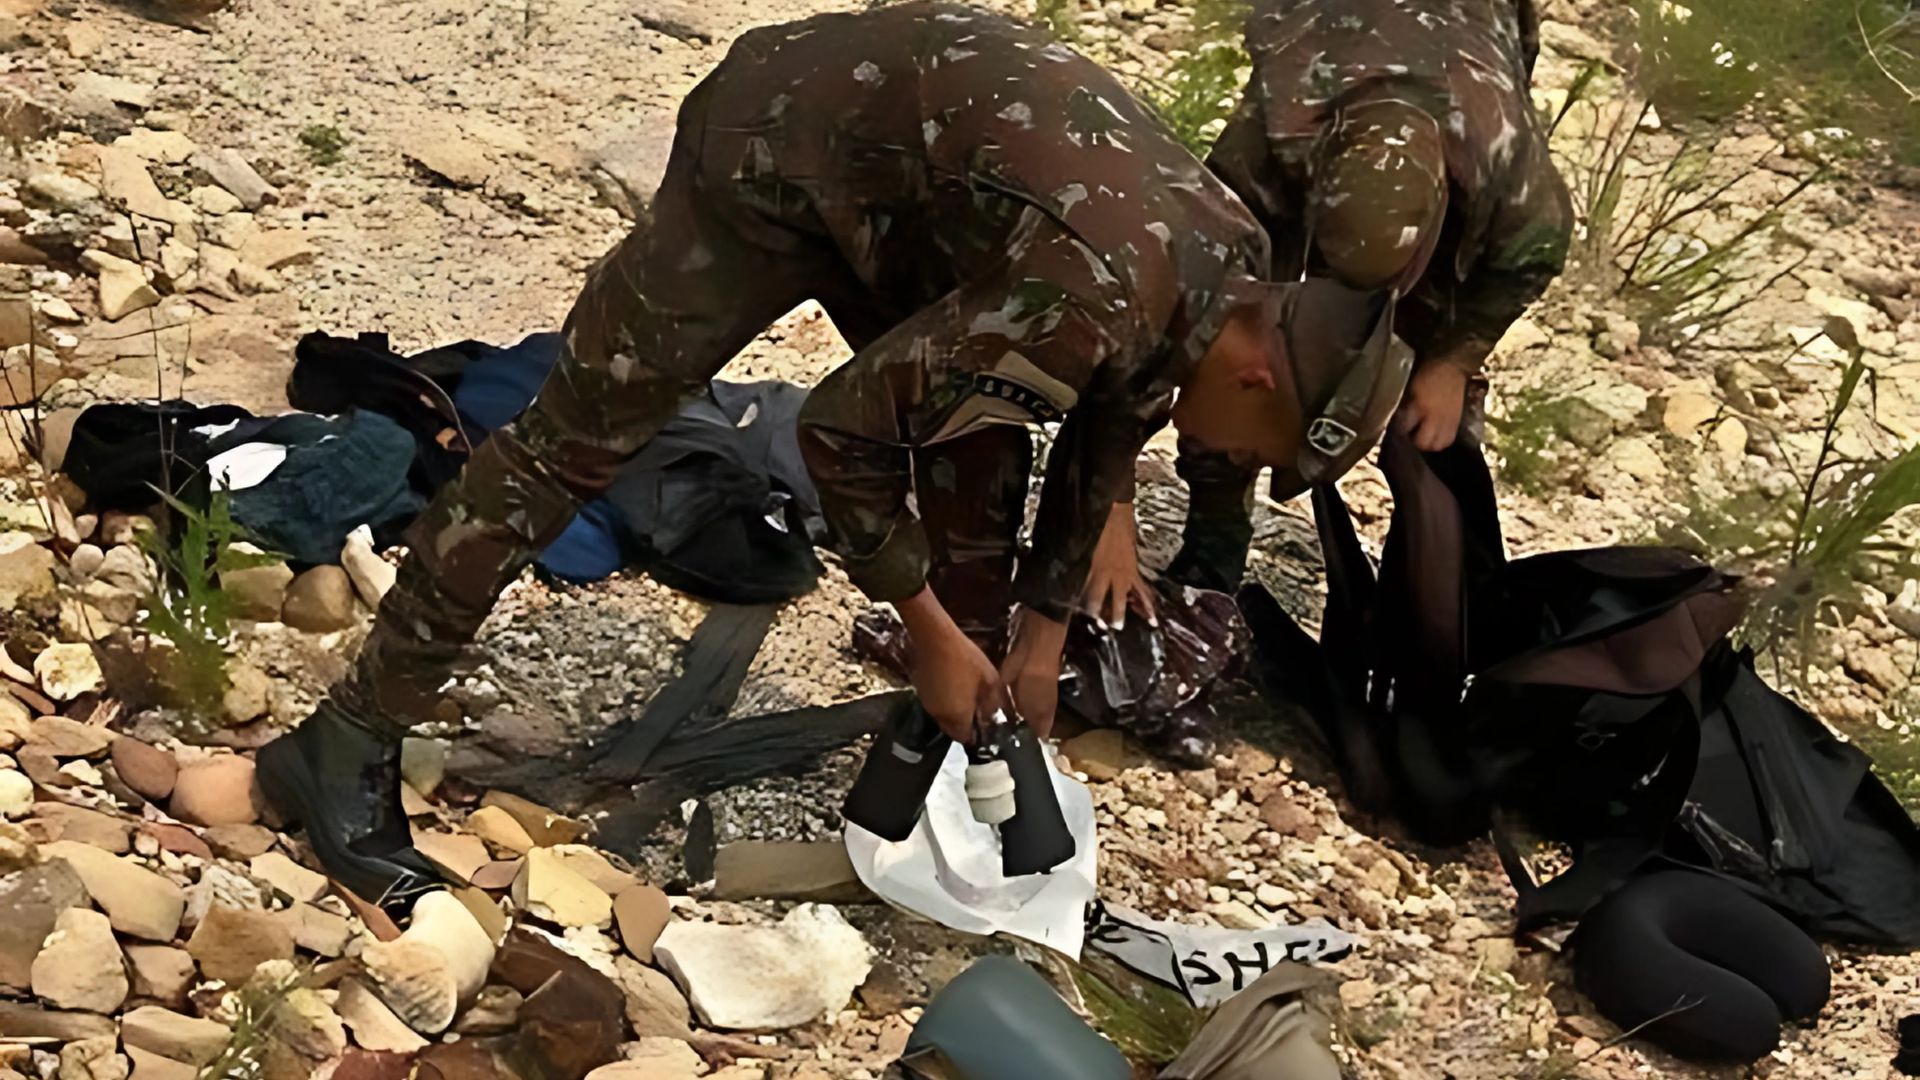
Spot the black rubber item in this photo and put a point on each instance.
(341, 782)
(888, 795)
(1907, 1061)
(1725, 966)
(1036, 838)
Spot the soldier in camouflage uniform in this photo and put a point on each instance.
(1005, 237)
(1392, 145)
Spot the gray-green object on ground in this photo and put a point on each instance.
(1001, 1021)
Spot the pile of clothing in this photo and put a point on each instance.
(300, 482)
(719, 505)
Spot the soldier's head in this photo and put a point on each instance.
(1303, 379)
(1378, 195)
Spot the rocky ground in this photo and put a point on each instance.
(183, 201)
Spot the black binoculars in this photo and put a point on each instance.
(892, 787)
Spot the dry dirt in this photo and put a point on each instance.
(537, 98)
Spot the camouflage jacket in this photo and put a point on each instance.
(1468, 64)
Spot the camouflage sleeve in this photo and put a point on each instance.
(1089, 469)
(1015, 347)
(1219, 528)
(1525, 249)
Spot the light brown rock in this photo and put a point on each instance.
(241, 842)
(545, 826)
(288, 876)
(93, 1059)
(457, 853)
(151, 1066)
(495, 1012)
(66, 738)
(18, 850)
(33, 1022)
(16, 793)
(321, 931)
(174, 1036)
(258, 593)
(272, 249)
(786, 870)
(413, 804)
(178, 839)
(124, 179)
(85, 561)
(1283, 814)
(423, 763)
(79, 966)
(307, 1023)
(319, 601)
(374, 1026)
(1687, 411)
(451, 158)
(33, 900)
(592, 864)
(163, 147)
(549, 889)
(499, 828)
(50, 187)
(653, 1058)
(66, 671)
(26, 570)
(125, 568)
(233, 173)
(249, 694)
(229, 943)
(654, 1005)
(641, 912)
(209, 199)
(16, 721)
(485, 910)
(58, 821)
(160, 973)
(1102, 754)
(123, 285)
(139, 902)
(147, 769)
(216, 791)
(497, 875)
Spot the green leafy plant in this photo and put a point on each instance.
(254, 1010)
(1660, 228)
(1149, 1023)
(1528, 439)
(1796, 66)
(1807, 554)
(325, 145)
(1203, 82)
(187, 607)
(1896, 756)
(1060, 17)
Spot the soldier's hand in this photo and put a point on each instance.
(956, 682)
(1436, 395)
(1114, 583)
(1032, 668)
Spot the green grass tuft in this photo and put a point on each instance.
(325, 145)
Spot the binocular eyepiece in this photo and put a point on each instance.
(1009, 784)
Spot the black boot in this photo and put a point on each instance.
(341, 781)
